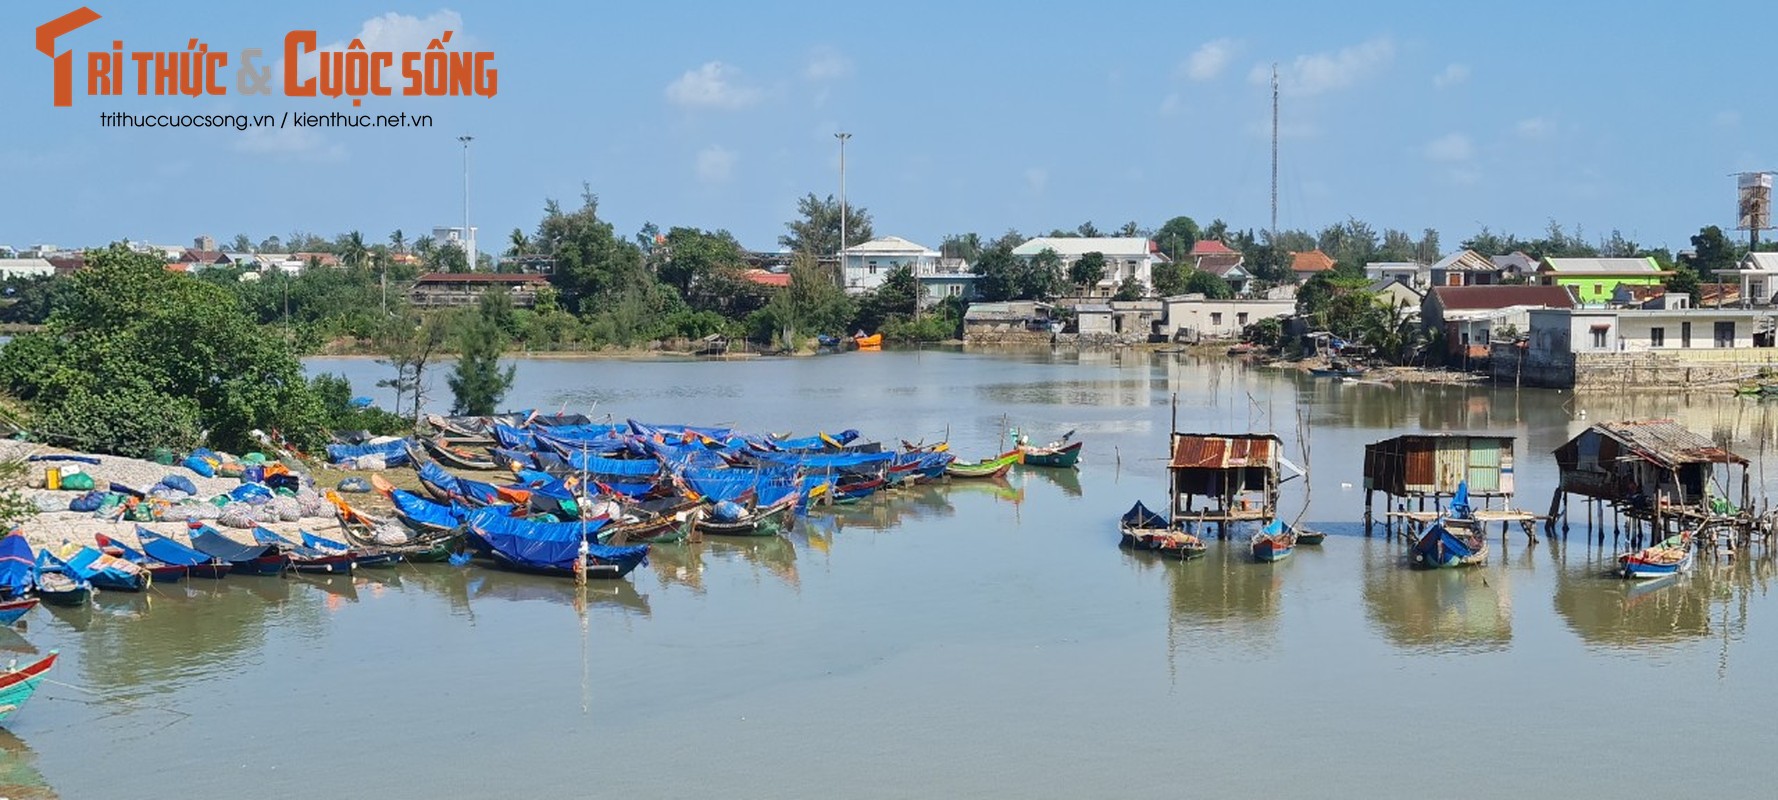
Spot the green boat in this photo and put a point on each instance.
(1066, 455)
(987, 468)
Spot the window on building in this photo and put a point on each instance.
(1685, 334)
(1599, 332)
(1657, 337)
(1598, 289)
(1725, 334)
(1453, 279)
(1216, 318)
(1241, 319)
(956, 291)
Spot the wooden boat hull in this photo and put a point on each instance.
(1440, 549)
(107, 582)
(264, 565)
(1638, 566)
(166, 573)
(215, 570)
(1066, 456)
(452, 458)
(992, 468)
(376, 560)
(594, 571)
(340, 564)
(12, 611)
(17, 686)
(769, 522)
(1310, 537)
(1269, 550)
(68, 597)
(1180, 545)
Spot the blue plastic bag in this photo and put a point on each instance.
(199, 466)
(727, 511)
(180, 483)
(251, 493)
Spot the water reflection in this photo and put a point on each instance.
(1608, 612)
(774, 554)
(1442, 610)
(1068, 480)
(482, 585)
(19, 778)
(1224, 599)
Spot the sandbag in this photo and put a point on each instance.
(375, 463)
(78, 482)
(87, 503)
(313, 505)
(203, 468)
(180, 483)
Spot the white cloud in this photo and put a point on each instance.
(1452, 75)
(1209, 60)
(715, 164)
(1534, 128)
(713, 85)
(298, 144)
(1037, 178)
(1171, 105)
(827, 64)
(391, 32)
(1451, 147)
(1325, 72)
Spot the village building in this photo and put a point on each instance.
(1307, 265)
(1410, 273)
(1515, 267)
(1593, 280)
(1639, 348)
(1196, 318)
(1472, 317)
(26, 268)
(199, 259)
(1654, 471)
(451, 289)
(1755, 279)
(1009, 322)
(767, 278)
(1224, 478)
(1125, 257)
(1464, 268)
(949, 278)
(865, 265)
(1393, 292)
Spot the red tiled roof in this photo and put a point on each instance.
(1205, 247)
(1453, 298)
(767, 277)
(324, 259)
(482, 277)
(1312, 261)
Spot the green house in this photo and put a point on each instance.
(1592, 281)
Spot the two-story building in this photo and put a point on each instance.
(865, 265)
(1465, 268)
(1307, 265)
(1125, 257)
(1470, 317)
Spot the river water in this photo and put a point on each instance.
(960, 641)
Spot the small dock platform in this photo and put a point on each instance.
(1411, 524)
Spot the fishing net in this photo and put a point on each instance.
(288, 509)
(238, 515)
(390, 535)
(311, 503)
(193, 509)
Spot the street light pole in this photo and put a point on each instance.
(842, 137)
(468, 240)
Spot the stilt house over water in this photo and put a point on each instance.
(1419, 467)
(1653, 470)
(1224, 478)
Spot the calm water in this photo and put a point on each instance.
(963, 641)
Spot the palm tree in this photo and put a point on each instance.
(423, 246)
(352, 250)
(397, 241)
(519, 243)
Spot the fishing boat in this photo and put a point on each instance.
(197, 563)
(367, 532)
(424, 516)
(108, 572)
(1450, 542)
(1337, 371)
(1061, 453)
(18, 567)
(304, 558)
(58, 584)
(1308, 537)
(456, 457)
(11, 611)
(371, 559)
(158, 571)
(727, 518)
(550, 548)
(986, 468)
(244, 559)
(871, 342)
(1143, 529)
(17, 685)
(1671, 556)
(1275, 543)
(662, 529)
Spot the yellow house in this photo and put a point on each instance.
(1594, 280)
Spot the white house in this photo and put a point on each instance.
(1125, 257)
(1199, 318)
(25, 268)
(866, 264)
(463, 239)
(1617, 330)
(1413, 273)
(285, 262)
(1758, 276)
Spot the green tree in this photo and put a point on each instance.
(594, 267)
(1711, 251)
(1129, 289)
(398, 241)
(271, 244)
(241, 244)
(138, 357)
(812, 303)
(1087, 230)
(517, 243)
(351, 249)
(1684, 280)
(998, 270)
(409, 342)
(478, 383)
(1208, 285)
(967, 246)
(1040, 276)
(692, 256)
(1176, 237)
(1087, 271)
(446, 258)
(817, 227)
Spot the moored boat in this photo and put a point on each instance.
(18, 685)
(1670, 556)
(871, 342)
(1450, 543)
(158, 571)
(753, 520)
(304, 558)
(550, 548)
(108, 572)
(11, 611)
(986, 468)
(1055, 454)
(1143, 529)
(1308, 537)
(372, 559)
(456, 457)
(58, 584)
(244, 559)
(1275, 543)
(197, 563)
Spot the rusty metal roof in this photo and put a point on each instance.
(1225, 451)
(1667, 443)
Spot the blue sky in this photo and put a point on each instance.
(964, 117)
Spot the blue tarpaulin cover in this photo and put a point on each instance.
(17, 566)
(208, 540)
(547, 545)
(161, 548)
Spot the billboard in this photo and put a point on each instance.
(1753, 209)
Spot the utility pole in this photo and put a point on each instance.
(468, 242)
(843, 221)
(1274, 229)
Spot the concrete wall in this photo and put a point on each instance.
(1629, 371)
(1221, 319)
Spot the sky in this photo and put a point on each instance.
(964, 117)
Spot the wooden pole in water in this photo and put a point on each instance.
(1369, 500)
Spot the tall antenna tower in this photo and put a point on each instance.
(1753, 206)
(1274, 228)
